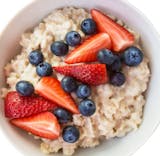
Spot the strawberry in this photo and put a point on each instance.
(121, 38)
(51, 89)
(92, 74)
(17, 106)
(44, 125)
(87, 51)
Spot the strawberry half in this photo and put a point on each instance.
(17, 106)
(44, 125)
(92, 74)
(51, 89)
(121, 37)
(87, 51)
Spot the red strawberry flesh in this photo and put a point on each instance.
(44, 125)
(121, 37)
(17, 106)
(92, 74)
(87, 51)
(51, 89)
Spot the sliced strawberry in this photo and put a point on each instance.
(92, 74)
(44, 125)
(17, 106)
(51, 89)
(87, 51)
(121, 37)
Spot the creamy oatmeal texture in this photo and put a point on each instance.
(119, 109)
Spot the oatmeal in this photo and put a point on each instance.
(119, 110)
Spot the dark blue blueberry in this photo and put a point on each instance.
(83, 91)
(87, 107)
(106, 56)
(62, 115)
(59, 48)
(35, 57)
(68, 84)
(70, 134)
(44, 69)
(88, 26)
(116, 65)
(73, 38)
(117, 79)
(25, 88)
(132, 56)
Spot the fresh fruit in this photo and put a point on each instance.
(106, 56)
(44, 69)
(51, 89)
(44, 125)
(83, 91)
(59, 48)
(132, 56)
(116, 65)
(17, 106)
(87, 107)
(87, 51)
(88, 26)
(68, 84)
(92, 74)
(117, 79)
(121, 37)
(25, 88)
(62, 115)
(35, 57)
(73, 38)
(70, 134)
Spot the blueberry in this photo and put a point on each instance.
(106, 56)
(25, 88)
(87, 107)
(132, 56)
(116, 65)
(70, 134)
(63, 115)
(59, 48)
(35, 57)
(83, 91)
(117, 79)
(44, 69)
(88, 26)
(73, 38)
(68, 84)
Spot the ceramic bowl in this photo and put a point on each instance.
(30, 16)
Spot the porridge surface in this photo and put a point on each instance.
(119, 109)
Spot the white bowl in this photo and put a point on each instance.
(30, 16)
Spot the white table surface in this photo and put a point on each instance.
(8, 8)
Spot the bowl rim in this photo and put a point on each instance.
(127, 3)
